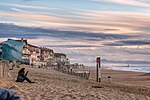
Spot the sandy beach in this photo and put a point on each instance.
(53, 85)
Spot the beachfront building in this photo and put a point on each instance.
(34, 55)
(29, 53)
(25, 52)
(77, 66)
(37, 56)
(61, 59)
(22, 51)
(47, 56)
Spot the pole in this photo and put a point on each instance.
(98, 69)
(96, 72)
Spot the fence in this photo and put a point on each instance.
(4, 69)
(82, 74)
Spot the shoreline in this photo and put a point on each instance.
(123, 77)
(133, 69)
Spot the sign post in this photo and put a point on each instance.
(98, 69)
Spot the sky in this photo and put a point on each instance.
(116, 30)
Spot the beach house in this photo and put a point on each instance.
(29, 53)
(47, 56)
(34, 54)
(61, 59)
(21, 51)
(37, 56)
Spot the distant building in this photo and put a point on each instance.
(33, 53)
(61, 59)
(77, 66)
(47, 55)
(26, 52)
(38, 56)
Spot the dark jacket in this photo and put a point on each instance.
(21, 75)
(8, 95)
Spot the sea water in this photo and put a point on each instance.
(135, 68)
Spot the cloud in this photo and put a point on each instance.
(139, 51)
(136, 42)
(71, 46)
(29, 0)
(141, 3)
(86, 20)
(82, 34)
(81, 47)
(18, 10)
(33, 7)
(32, 32)
(129, 43)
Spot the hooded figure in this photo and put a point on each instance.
(22, 76)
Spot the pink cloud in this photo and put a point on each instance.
(94, 21)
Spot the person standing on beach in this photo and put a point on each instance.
(22, 76)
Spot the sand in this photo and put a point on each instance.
(52, 85)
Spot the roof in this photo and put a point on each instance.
(13, 43)
(46, 49)
(59, 54)
(33, 46)
(21, 40)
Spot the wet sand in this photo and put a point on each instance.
(52, 85)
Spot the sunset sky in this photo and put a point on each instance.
(116, 30)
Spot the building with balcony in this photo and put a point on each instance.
(61, 58)
(22, 51)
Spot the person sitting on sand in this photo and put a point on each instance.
(22, 76)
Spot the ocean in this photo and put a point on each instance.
(136, 68)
